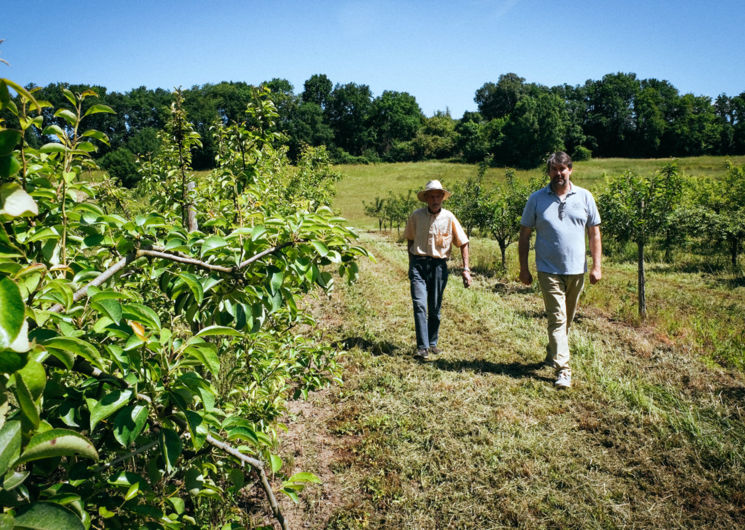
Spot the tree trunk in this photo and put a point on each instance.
(641, 288)
(191, 213)
(733, 249)
(503, 250)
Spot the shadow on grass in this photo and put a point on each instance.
(736, 394)
(513, 288)
(514, 370)
(376, 348)
(732, 283)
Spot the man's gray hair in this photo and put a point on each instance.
(559, 157)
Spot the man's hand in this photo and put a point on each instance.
(466, 278)
(595, 275)
(526, 277)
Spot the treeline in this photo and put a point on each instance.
(516, 124)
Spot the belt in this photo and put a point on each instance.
(426, 258)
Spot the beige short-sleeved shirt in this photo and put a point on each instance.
(434, 234)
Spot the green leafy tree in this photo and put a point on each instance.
(502, 212)
(497, 100)
(143, 365)
(317, 89)
(395, 117)
(717, 214)
(348, 112)
(535, 127)
(635, 208)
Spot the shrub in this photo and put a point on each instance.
(581, 153)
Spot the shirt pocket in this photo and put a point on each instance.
(443, 240)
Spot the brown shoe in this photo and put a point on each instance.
(421, 354)
(434, 350)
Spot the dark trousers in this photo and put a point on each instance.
(428, 277)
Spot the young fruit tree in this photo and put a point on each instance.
(145, 360)
(634, 208)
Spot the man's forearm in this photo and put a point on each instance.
(466, 260)
(523, 247)
(596, 246)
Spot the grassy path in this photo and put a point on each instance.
(479, 438)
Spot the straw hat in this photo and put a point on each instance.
(432, 185)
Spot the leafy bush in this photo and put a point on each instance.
(581, 153)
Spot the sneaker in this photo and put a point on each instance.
(421, 354)
(564, 380)
(435, 350)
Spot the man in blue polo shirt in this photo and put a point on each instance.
(560, 214)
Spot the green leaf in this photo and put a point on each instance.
(178, 504)
(98, 135)
(11, 361)
(12, 312)
(14, 479)
(276, 281)
(218, 330)
(53, 129)
(35, 378)
(206, 354)
(110, 308)
(304, 477)
(57, 442)
(48, 516)
(193, 283)
(320, 247)
(197, 429)
(171, 446)
(276, 462)
(97, 108)
(128, 424)
(9, 138)
(67, 115)
(10, 444)
(53, 147)
(76, 346)
(108, 405)
(9, 166)
(29, 409)
(212, 243)
(142, 314)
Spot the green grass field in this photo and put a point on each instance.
(365, 182)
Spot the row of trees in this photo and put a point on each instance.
(516, 124)
(145, 358)
(665, 211)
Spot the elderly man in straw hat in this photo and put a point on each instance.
(431, 233)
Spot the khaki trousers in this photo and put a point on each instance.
(560, 296)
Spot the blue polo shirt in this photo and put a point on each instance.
(560, 242)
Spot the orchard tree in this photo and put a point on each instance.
(502, 212)
(635, 208)
(718, 212)
(143, 365)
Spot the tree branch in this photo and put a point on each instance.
(259, 467)
(159, 253)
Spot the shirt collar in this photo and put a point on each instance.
(570, 192)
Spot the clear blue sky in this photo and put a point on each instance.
(440, 51)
